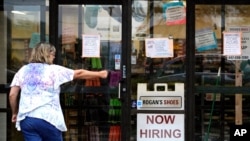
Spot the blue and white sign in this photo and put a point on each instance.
(205, 40)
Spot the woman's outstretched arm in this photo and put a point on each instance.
(86, 74)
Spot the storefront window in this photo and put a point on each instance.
(159, 58)
(161, 24)
(90, 38)
(217, 65)
(3, 73)
(21, 24)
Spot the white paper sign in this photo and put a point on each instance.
(159, 47)
(245, 42)
(90, 45)
(232, 43)
(160, 127)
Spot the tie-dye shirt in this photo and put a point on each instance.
(40, 89)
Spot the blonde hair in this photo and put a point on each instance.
(41, 53)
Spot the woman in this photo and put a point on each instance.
(39, 115)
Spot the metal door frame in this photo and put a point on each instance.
(126, 49)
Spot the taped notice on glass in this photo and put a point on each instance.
(174, 13)
(159, 47)
(245, 42)
(90, 45)
(205, 40)
(232, 43)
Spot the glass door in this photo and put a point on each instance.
(89, 37)
(222, 77)
(22, 23)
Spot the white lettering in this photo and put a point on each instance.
(239, 132)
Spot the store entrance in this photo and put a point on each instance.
(221, 100)
(89, 37)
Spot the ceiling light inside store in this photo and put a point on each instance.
(18, 12)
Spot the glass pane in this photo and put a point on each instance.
(105, 20)
(156, 20)
(18, 25)
(3, 131)
(209, 56)
(91, 39)
(236, 20)
(215, 68)
(25, 22)
(3, 47)
(157, 70)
